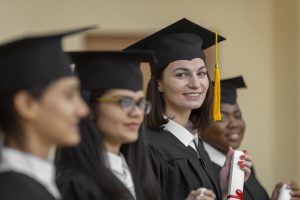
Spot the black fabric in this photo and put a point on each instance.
(74, 184)
(111, 69)
(253, 190)
(16, 186)
(182, 40)
(229, 87)
(177, 167)
(33, 61)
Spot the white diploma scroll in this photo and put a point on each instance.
(236, 178)
(284, 193)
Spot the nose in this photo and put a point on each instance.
(194, 82)
(82, 108)
(136, 112)
(232, 122)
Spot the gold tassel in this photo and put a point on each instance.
(217, 88)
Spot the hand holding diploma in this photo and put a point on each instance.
(243, 164)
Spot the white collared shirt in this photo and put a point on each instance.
(120, 169)
(43, 171)
(214, 154)
(182, 134)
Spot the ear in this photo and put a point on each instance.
(159, 85)
(26, 105)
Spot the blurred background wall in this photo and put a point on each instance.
(262, 45)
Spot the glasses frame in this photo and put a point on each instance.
(127, 110)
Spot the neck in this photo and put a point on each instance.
(112, 147)
(180, 116)
(29, 141)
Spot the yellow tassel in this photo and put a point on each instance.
(217, 88)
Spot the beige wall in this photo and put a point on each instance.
(261, 45)
(298, 74)
(285, 87)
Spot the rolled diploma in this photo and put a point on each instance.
(236, 178)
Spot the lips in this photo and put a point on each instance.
(234, 137)
(192, 94)
(132, 126)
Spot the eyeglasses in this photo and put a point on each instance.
(128, 104)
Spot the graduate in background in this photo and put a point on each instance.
(40, 106)
(230, 132)
(181, 95)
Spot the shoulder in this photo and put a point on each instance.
(75, 184)
(26, 187)
(164, 145)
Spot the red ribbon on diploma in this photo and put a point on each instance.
(239, 195)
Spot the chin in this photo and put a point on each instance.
(235, 145)
(133, 138)
(193, 106)
(73, 140)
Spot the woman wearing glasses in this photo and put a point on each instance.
(110, 163)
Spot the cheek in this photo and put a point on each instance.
(173, 85)
(57, 121)
(205, 84)
(243, 127)
(173, 89)
(110, 120)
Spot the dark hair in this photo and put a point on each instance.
(89, 157)
(200, 117)
(9, 119)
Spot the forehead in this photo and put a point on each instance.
(195, 63)
(229, 108)
(125, 92)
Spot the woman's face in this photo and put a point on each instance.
(59, 111)
(227, 132)
(184, 84)
(119, 123)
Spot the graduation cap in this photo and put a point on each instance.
(34, 61)
(229, 87)
(182, 40)
(111, 69)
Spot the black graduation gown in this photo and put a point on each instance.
(74, 184)
(253, 190)
(16, 186)
(177, 167)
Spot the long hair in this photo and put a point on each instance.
(89, 157)
(200, 117)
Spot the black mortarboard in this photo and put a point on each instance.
(111, 69)
(34, 61)
(182, 40)
(229, 87)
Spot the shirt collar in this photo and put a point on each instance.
(181, 133)
(39, 169)
(116, 162)
(214, 154)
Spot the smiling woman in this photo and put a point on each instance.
(111, 162)
(230, 132)
(180, 92)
